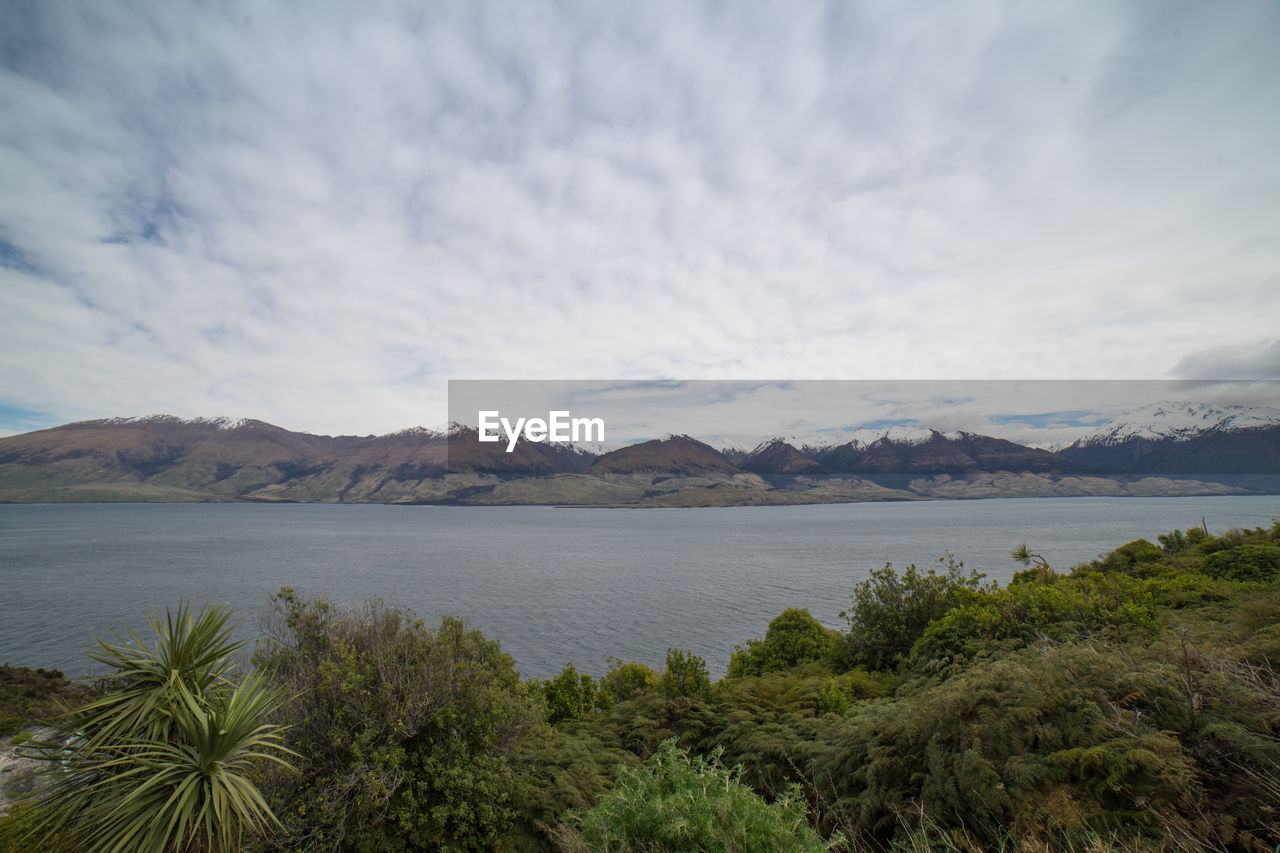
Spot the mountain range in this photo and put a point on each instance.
(1167, 448)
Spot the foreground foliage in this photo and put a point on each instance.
(410, 738)
(679, 802)
(164, 759)
(1128, 704)
(1060, 744)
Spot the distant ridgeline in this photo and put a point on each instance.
(1172, 449)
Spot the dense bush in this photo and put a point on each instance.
(888, 612)
(1127, 704)
(757, 719)
(685, 676)
(573, 694)
(640, 725)
(1054, 606)
(1176, 542)
(626, 681)
(680, 802)
(1136, 557)
(411, 738)
(1259, 562)
(33, 697)
(1061, 745)
(793, 637)
(571, 770)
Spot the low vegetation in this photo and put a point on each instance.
(680, 802)
(1127, 704)
(28, 695)
(408, 737)
(163, 757)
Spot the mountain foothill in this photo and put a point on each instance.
(1171, 450)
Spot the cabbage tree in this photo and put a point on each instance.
(164, 760)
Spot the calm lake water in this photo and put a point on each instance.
(553, 585)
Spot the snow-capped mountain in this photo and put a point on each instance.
(416, 432)
(816, 443)
(905, 435)
(1178, 421)
(174, 420)
(744, 444)
(161, 457)
(1176, 438)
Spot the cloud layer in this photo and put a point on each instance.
(741, 414)
(318, 213)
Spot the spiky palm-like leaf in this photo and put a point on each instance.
(191, 657)
(164, 762)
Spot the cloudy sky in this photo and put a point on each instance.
(319, 213)
(742, 413)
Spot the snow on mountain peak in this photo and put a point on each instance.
(903, 434)
(416, 432)
(861, 438)
(1178, 421)
(217, 422)
(222, 422)
(909, 435)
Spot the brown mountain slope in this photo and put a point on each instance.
(677, 454)
(166, 458)
(468, 455)
(937, 454)
(998, 454)
(144, 444)
(159, 457)
(778, 457)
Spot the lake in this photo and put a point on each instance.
(554, 585)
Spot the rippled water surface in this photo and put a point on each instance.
(552, 584)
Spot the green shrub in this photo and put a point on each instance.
(888, 612)
(1173, 542)
(626, 681)
(1055, 745)
(1138, 558)
(411, 738)
(639, 726)
(1057, 607)
(685, 676)
(1137, 552)
(572, 694)
(858, 684)
(681, 803)
(794, 637)
(33, 696)
(570, 770)
(1245, 563)
(1140, 551)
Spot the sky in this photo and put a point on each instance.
(742, 414)
(317, 214)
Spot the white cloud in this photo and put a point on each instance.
(318, 218)
(743, 413)
(1260, 360)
